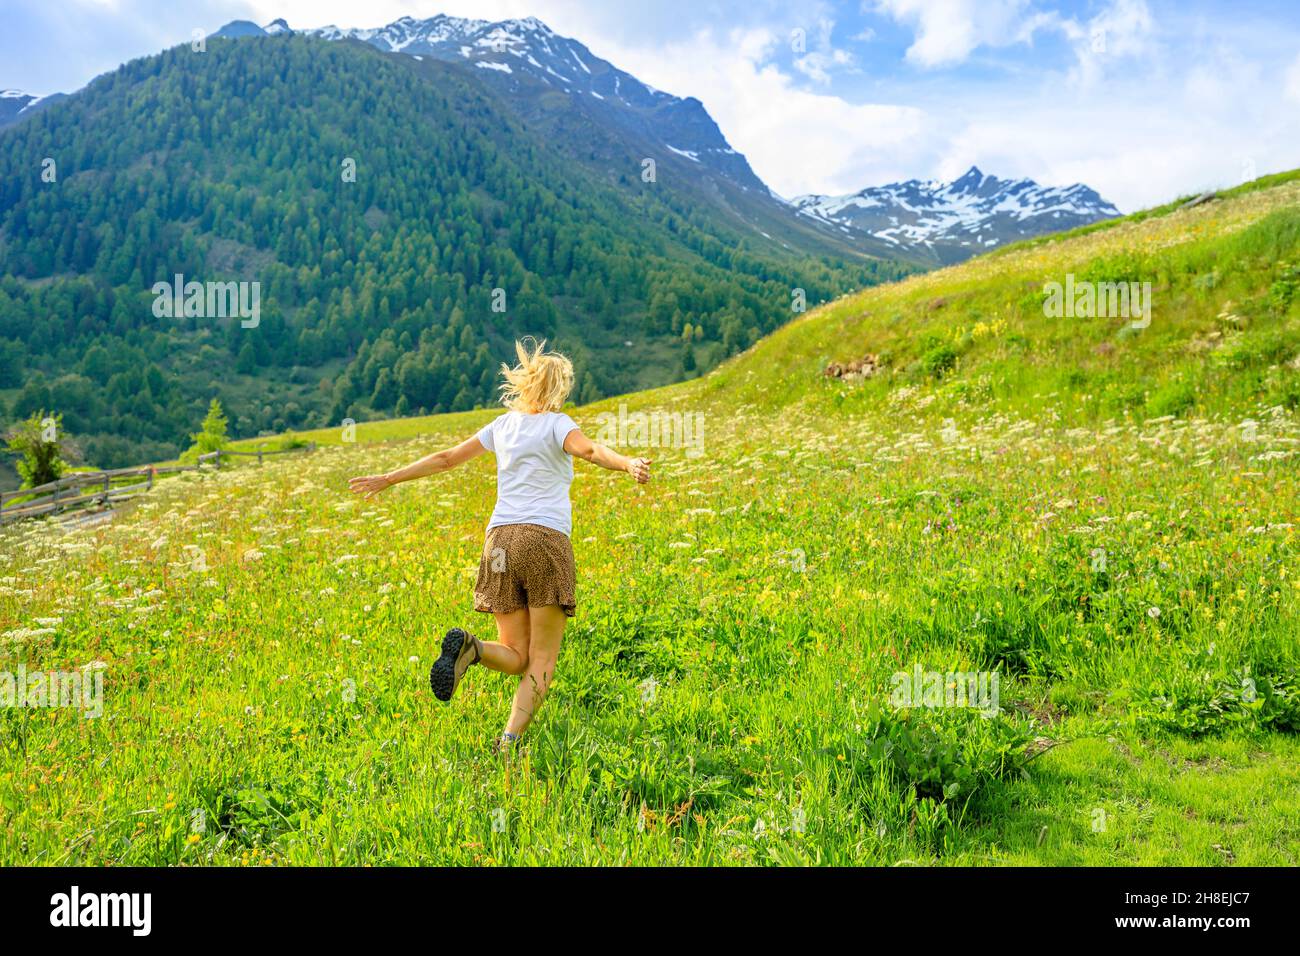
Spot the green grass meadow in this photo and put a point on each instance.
(1102, 516)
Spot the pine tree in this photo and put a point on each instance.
(212, 436)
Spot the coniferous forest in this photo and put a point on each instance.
(403, 226)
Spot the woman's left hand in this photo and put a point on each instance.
(369, 485)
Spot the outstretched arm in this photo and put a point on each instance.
(580, 446)
(371, 485)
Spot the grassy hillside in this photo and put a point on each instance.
(1102, 516)
(1224, 280)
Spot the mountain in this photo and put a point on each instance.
(404, 222)
(15, 105)
(241, 28)
(609, 120)
(612, 121)
(13, 102)
(514, 52)
(959, 219)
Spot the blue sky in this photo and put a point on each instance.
(1141, 99)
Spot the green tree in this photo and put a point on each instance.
(212, 436)
(688, 359)
(41, 447)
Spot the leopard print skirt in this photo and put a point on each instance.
(525, 565)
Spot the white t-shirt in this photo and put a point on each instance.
(533, 469)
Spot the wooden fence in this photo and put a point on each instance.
(71, 491)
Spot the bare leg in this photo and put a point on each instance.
(546, 631)
(509, 654)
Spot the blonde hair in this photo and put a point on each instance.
(540, 382)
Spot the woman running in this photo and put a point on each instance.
(526, 574)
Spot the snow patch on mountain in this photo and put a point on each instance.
(976, 210)
(15, 104)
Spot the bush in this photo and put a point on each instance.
(1200, 695)
(1173, 398)
(1283, 290)
(1253, 350)
(946, 755)
(938, 361)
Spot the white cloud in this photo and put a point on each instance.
(824, 58)
(1122, 31)
(1291, 82)
(797, 140)
(948, 31)
(1214, 82)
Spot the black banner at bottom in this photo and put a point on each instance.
(332, 906)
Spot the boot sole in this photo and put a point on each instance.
(442, 675)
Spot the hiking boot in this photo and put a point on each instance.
(459, 651)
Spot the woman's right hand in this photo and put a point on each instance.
(639, 468)
(369, 485)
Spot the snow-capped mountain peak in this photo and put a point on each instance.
(973, 212)
(525, 55)
(526, 46)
